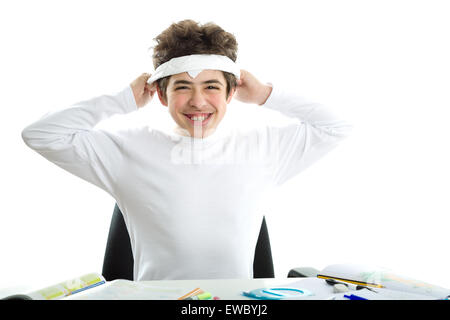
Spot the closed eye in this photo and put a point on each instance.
(181, 88)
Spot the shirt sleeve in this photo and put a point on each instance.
(69, 138)
(298, 145)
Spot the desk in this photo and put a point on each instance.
(229, 290)
(225, 289)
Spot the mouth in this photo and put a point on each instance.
(198, 119)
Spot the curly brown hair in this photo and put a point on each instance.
(189, 37)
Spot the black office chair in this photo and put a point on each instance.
(118, 262)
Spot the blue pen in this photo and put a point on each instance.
(354, 297)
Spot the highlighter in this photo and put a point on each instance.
(201, 296)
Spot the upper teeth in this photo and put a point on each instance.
(199, 117)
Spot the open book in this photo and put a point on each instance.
(94, 286)
(63, 289)
(382, 280)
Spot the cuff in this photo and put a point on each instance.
(128, 99)
(274, 96)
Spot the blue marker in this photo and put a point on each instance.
(354, 297)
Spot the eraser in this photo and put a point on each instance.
(340, 288)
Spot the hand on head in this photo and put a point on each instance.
(250, 90)
(142, 91)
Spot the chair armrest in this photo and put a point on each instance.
(303, 272)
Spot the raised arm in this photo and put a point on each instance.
(296, 146)
(69, 137)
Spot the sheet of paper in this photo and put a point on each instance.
(318, 287)
(130, 290)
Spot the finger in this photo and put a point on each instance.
(150, 88)
(141, 79)
(145, 77)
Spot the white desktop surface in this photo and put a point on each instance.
(225, 289)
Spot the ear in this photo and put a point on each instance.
(231, 94)
(160, 96)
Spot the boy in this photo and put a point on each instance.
(190, 197)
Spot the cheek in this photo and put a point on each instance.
(218, 102)
(177, 103)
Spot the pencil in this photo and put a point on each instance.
(192, 293)
(362, 283)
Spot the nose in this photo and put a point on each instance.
(197, 99)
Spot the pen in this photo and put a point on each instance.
(351, 286)
(354, 297)
(333, 282)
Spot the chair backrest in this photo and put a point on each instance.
(118, 262)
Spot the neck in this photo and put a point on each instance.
(200, 134)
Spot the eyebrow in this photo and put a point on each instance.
(215, 81)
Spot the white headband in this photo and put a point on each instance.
(194, 64)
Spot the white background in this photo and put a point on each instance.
(380, 198)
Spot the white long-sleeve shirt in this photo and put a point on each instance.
(190, 205)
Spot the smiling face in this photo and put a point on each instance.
(197, 104)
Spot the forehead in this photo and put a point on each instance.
(205, 75)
